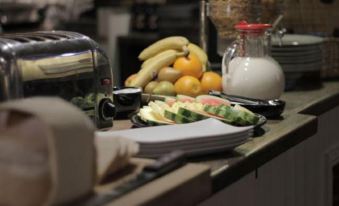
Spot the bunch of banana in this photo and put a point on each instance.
(173, 42)
(163, 53)
(151, 69)
(201, 54)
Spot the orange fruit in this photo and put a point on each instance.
(190, 65)
(210, 81)
(130, 79)
(188, 85)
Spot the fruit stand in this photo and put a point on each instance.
(173, 66)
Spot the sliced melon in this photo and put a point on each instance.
(248, 115)
(225, 112)
(147, 115)
(211, 109)
(229, 114)
(184, 98)
(191, 114)
(162, 104)
(158, 111)
(177, 118)
(212, 100)
(214, 111)
(170, 100)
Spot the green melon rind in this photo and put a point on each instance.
(238, 118)
(214, 110)
(231, 115)
(250, 116)
(153, 123)
(192, 115)
(177, 118)
(211, 109)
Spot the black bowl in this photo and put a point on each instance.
(127, 101)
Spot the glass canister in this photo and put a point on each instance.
(247, 68)
(224, 14)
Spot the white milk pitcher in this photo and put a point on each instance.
(247, 68)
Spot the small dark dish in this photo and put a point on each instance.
(127, 100)
(271, 109)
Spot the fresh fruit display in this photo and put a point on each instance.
(210, 81)
(186, 109)
(179, 62)
(150, 87)
(129, 79)
(189, 65)
(164, 88)
(201, 54)
(188, 85)
(169, 74)
(150, 71)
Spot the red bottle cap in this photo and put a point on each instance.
(243, 25)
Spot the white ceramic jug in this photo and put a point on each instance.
(247, 68)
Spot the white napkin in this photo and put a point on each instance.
(47, 154)
(113, 153)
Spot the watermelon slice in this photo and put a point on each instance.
(185, 98)
(212, 100)
(170, 100)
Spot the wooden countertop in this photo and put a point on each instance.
(298, 122)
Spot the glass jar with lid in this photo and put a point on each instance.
(224, 14)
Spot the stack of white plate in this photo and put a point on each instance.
(195, 138)
(298, 55)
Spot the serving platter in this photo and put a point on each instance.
(138, 122)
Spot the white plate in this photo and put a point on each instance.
(193, 152)
(187, 147)
(193, 143)
(298, 40)
(224, 138)
(170, 133)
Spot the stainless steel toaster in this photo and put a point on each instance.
(58, 63)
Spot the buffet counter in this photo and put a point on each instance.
(299, 122)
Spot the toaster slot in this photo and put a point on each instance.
(50, 37)
(37, 38)
(60, 36)
(56, 67)
(18, 39)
